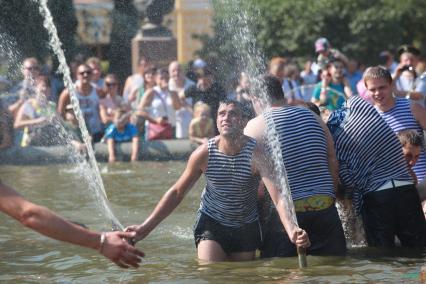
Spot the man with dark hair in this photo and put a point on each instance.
(227, 226)
(310, 163)
(408, 83)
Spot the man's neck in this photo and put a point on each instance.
(386, 107)
(231, 145)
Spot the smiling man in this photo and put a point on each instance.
(227, 226)
(399, 113)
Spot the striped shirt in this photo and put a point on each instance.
(303, 150)
(230, 195)
(401, 118)
(368, 152)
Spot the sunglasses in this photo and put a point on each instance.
(112, 84)
(32, 68)
(85, 73)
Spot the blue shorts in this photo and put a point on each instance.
(241, 239)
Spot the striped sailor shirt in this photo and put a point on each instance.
(401, 118)
(368, 151)
(230, 195)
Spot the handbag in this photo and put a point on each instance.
(158, 131)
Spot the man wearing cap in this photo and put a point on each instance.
(408, 83)
(326, 53)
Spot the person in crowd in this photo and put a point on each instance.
(88, 98)
(201, 128)
(412, 145)
(407, 82)
(374, 174)
(207, 90)
(122, 131)
(326, 53)
(112, 100)
(36, 117)
(159, 104)
(5, 129)
(291, 84)
(179, 83)
(30, 71)
(311, 169)
(136, 81)
(25, 88)
(309, 79)
(386, 60)
(242, 94)
(276, 67)
(399, 113)
(227, 226)
(73, 129)
(353, 74)
(333, 89)
(95, 65)
(112, 245)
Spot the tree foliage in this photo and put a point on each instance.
(361, 28)
(21, 21)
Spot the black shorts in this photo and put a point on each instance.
(324, 229)
(232, 240)
(394, 212)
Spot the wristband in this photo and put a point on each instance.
(102, 241)
(408, 95)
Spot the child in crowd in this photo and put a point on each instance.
(201, 127)
(73, 129)
(122, 131)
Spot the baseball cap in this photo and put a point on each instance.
(321, 44)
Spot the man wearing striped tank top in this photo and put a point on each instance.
(399, 113)
(308, 155)
(374, 174)
(227, 226)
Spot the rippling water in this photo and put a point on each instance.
(133, 190)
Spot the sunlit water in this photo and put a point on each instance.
(134, 189)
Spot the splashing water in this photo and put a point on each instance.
(253, 62)
(90, 172)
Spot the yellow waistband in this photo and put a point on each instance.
(313, 203)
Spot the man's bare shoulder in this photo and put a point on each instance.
(255, 128)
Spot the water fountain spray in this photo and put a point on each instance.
(253, 62)
(96, 183)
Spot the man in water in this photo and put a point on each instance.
(308, 156)
(227, 226)
(373, 171)
(112, 245)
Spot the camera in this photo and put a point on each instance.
(407, 68)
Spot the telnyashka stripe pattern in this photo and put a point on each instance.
(230, 195)
(401, 118)
(304, 151)
(368, 152)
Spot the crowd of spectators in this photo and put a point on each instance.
(169, 103)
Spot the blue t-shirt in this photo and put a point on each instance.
(129, 132)
(335, 95)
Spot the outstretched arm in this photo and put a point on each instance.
(171, 199)
(46, 222)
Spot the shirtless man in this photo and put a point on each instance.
(227, 227)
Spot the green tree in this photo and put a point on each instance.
(361, 29)
(21, 21)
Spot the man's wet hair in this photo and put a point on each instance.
(377, 72)
(270, 86)
(236, 103)
(410, 137)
